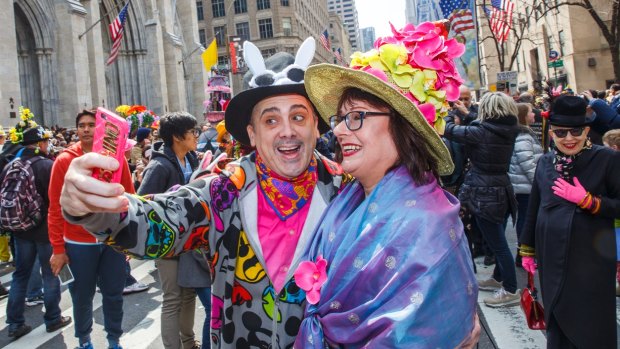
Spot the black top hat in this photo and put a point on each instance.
(34, 135)
(569, 111)
(277, 75)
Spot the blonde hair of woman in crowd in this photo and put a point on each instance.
(496, 105)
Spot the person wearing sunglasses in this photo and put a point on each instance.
(569, 231)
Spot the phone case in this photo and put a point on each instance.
(65, 275)
(111, 133)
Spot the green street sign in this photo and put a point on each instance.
(556, 64)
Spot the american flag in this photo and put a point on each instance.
(458, 13)
(338, 54)
(324, 39)
(500, 18)
(462, 20)
(116, 33)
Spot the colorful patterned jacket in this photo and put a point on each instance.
(219, 213)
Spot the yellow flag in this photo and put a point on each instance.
(209, 56)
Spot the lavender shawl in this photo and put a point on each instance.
(399, 271)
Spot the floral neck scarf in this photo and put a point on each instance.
(563, 163)
(286, 196)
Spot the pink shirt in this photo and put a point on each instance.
(279, 239)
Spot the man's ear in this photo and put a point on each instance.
(251, 134)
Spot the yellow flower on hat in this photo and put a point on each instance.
(122, 110)
(13, 136)
(363, 59)
(25, 113)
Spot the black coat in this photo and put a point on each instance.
(163, 171)
(486, 189)
(575, 250)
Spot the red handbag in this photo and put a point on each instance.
(534, 312)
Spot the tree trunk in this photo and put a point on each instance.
(615, 60)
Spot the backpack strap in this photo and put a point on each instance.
(17, 155)
(34, 159)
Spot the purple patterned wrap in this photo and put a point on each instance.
(399, 271)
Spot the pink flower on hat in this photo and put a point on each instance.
(419, 63)
(310, 277)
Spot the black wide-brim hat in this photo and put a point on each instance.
(34, 135)
(239, 111)
(569, 111)
(280, 74)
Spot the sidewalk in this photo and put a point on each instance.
(507, 327)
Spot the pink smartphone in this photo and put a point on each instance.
(111, 133)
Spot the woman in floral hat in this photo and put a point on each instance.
(390, 253)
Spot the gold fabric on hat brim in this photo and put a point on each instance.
(325, 84)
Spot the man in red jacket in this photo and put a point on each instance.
(92, 260)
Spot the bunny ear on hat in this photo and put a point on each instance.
(277, 75)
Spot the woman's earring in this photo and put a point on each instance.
(37, 149)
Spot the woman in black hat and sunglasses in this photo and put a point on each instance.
(569, 229)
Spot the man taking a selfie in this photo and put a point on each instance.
(93, 260)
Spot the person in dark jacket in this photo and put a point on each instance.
(570, 230)
(172, 162)
(486, 189)
(606, 117)
(34, 242)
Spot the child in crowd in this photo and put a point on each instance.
(611, 139)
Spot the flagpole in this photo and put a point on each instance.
(94, 24)
(190, 54)
(478, 46)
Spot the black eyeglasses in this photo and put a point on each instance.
(354, 119)
(563, 132)
(195, 131)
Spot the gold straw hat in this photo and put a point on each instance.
(325, 83)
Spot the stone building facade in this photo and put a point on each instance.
(339, 37)
(367, 38)
(570, 31)
(272, 25)
(348, 12)
(49, 65)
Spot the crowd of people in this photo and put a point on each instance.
(287, 220)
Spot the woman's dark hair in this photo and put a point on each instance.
(175, 124)
(413, 150)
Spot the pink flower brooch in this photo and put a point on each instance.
(310, 277)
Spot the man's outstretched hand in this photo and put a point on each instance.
(82, 194)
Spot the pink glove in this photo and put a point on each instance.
(573, 193)
(528, 264)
